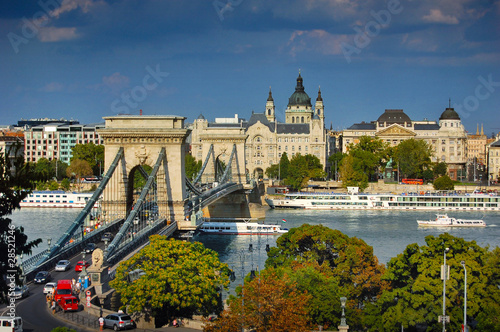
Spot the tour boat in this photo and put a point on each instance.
(56, 199)
(442, 220)
(241, 228)
(405, 201)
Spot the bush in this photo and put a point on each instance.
(443, 183)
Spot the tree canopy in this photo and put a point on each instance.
(15, 185)
(413, 157)
(181, 278)
(269, 303)
(91, 153)
(328, 264)
(301, 169)
(414, 299)
(78, 168)
(443, 183)
(192, 166)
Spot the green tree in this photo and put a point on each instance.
(65, 184)
(53, 185)
(58, 169)
(77, 169)
(92, 153)
(351, 173)
(328, 264)
(335, 161)
(414, 299)
(301, 169)
(139, 179)
(273, 171)
(181, 278)
(443, 183)
(413, 157)
(268, 303)
(192, 166)
(43, 170)
(371, 154)
(15, 185)
(440, 169)
(284, 166)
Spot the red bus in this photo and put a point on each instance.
(412, 181)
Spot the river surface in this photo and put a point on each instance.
(388, 232)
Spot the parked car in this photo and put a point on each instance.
(49, 287)
(62, 265)
(89, 248)
(119, 322)
(107, 237)
(80, 264)
(42, 277)
(19, 292)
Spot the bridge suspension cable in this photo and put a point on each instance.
(200, 173)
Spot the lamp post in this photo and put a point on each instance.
(343, 325)
(465, 296)
(444, 276)
(49, 241)
(83, 274)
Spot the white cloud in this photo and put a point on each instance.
(435, 16)
(52, 34)
(52, 87)
(315, 41)
(116, 82)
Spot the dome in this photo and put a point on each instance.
(299, 97)
(201, 117)
(449, 114)
(394, 116)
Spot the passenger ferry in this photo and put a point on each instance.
(405, 201)
(442, 220)
(56, 199)
(241, 228)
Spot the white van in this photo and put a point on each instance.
(8, 324)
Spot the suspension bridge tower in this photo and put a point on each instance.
(145, 140)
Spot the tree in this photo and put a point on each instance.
(139, 179)
(15, 185)
(351, 173)
(53, 185)
(78, 168)
(443, 183)
(440, 169)
(43, 170)
(284, 166)
(65, 184)
(192, 166)
(268, 303)
(301, 169)
(181, 278)
(273, 171)
(335, 161)
(92, 153)
(413, 157)
(371, 154)
(328, 264)
(414, 298)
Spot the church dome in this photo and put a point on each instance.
(394, 116)
(449, 114)
(299, 97)
(201, 117)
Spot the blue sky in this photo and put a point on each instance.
(85, 59)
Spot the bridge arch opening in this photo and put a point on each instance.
(258, 173)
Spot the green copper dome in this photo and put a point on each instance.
(299, 97)
(449, 114)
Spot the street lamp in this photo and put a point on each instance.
(343, 301)
(49, 240)
(444, 275)
(465, 296)
(83, 274)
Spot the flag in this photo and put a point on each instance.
(283, 220)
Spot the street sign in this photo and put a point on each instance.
(446, 319)
(88, 293)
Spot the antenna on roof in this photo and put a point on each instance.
(449, 102)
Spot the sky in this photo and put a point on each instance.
(87, 59)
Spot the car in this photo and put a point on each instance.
(19, 292)
(62, 265)
(89, 248)
(49, 287)
(42, 277)
(119, 322)
(80, 264)
(107, 237)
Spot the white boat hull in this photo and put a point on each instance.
(241, 228)
(56, 199)
(443, 220)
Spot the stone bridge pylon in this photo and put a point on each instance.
(142, 139)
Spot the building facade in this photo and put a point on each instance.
(493, 150)
(267, 139)
(55, 140)
(447, 138)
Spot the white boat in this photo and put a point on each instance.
(56, 199)
(442, 220)
(241, 228)
(405, 201)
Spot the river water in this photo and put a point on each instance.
(388, 232)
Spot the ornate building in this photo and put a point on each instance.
(267, 139)
(446, 137)
(493, 150)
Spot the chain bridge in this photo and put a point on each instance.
(155, 147)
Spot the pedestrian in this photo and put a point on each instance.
(78, 286)
(53, 307)
(101, 323)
